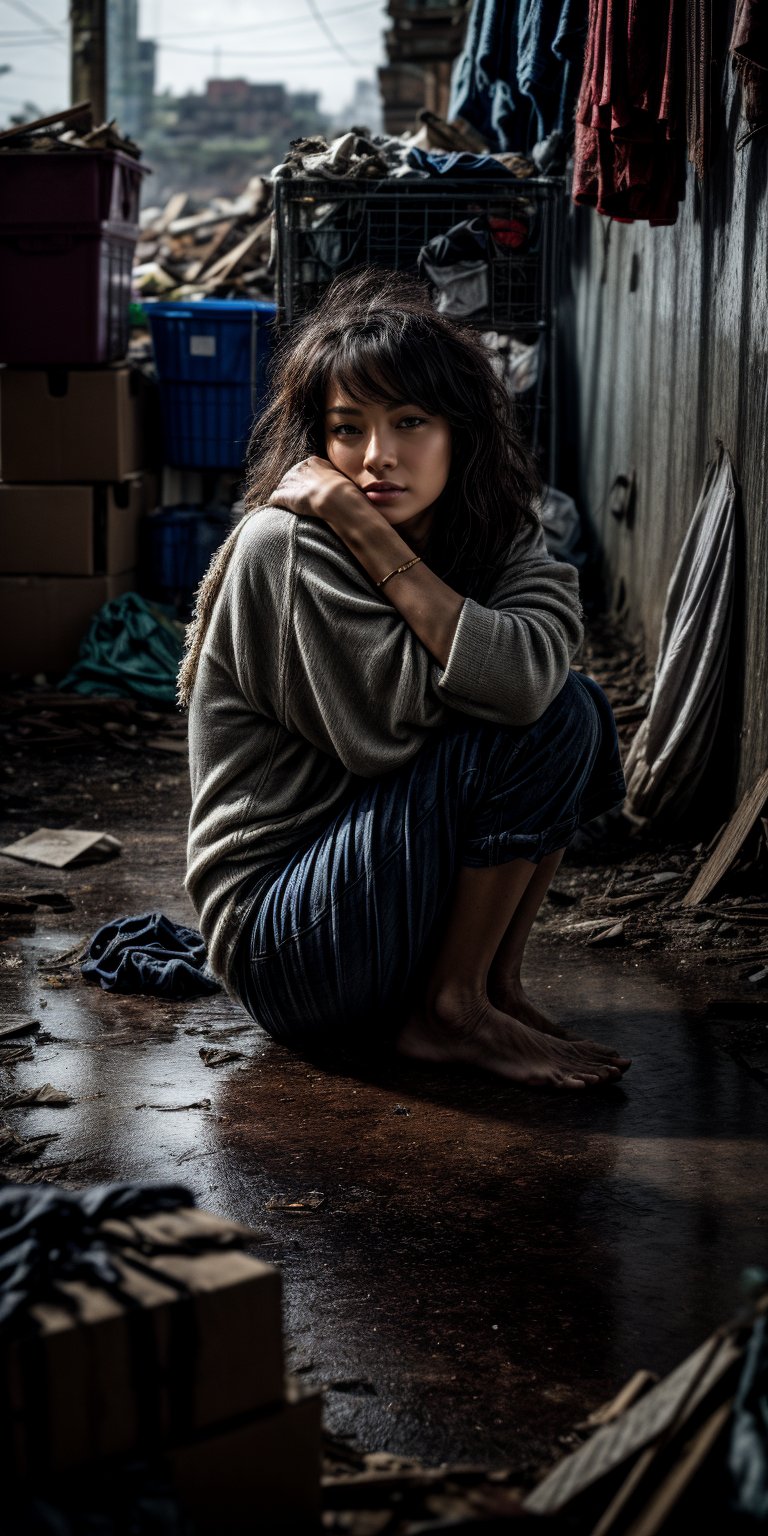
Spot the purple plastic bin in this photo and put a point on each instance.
(68, 292)
(87, 186)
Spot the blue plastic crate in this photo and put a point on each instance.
(181, 543)
(212, 357)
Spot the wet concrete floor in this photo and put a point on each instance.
(488, 1264)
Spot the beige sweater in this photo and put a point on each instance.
(310, 680)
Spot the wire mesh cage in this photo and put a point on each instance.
(325, 228)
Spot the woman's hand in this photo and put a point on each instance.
(314, 488)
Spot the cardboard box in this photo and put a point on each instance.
(70, 530)
(75, 424)
(260, 1474)
(43, 618)
(199, 1342)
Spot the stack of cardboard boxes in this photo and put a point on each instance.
(168, 1353)
(73, 490)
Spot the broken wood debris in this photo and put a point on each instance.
(730, 843)
(655, 1438)
(67, 131)
(222, 250)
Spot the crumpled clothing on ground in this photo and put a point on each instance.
(629, 150)
(132, 649)
(151, 954)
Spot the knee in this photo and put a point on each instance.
(572, 721)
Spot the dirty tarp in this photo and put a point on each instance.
(132, 648)
(668, 757)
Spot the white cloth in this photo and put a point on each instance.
(668, 756)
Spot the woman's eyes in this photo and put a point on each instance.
(345, 428)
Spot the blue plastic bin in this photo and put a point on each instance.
(212, 358)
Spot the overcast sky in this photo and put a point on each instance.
(260, 39)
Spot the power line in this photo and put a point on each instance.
(259, 53)
(317, 15)
(278, 26)
(26, 10)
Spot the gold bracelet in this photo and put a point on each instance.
(398, 569)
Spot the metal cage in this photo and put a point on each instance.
(328, 227)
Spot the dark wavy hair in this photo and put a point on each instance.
(377, 335)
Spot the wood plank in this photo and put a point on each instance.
(69, 115)
(228, 265)
(738, 828)
(671, 1490)
(211, 251)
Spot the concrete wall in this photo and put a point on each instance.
(666, 340)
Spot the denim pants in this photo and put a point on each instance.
(333, 938)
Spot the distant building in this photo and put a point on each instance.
(131, 69)
(213, 141)
(363, 110)
(422, 43)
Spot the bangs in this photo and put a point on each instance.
(385, 363)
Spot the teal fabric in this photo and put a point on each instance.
(132, 648)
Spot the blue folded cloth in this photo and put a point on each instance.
(149, 953)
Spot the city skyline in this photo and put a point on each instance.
(316, 45)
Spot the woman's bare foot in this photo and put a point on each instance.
(510, 997)
(468, 1028)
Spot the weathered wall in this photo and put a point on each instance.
(666, 334)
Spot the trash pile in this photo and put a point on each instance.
(220, 250)
(667, 1452)
(225, 248)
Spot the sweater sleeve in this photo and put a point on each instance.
(509, 659)
(358, 680)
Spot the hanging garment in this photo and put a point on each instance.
(629, 148)
(669, 754)
(150, 954)
(550, 56)
(484, 89)
(749, 46)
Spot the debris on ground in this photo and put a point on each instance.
(659, 1444)
(45, 1094)
(217, 1056)
(63, 847)
(48, 721)
(296, 1205)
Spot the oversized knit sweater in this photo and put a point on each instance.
(310, 681)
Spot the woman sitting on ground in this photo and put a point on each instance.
(388, 751)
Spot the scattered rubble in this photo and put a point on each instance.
(221, 250)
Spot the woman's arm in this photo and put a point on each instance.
(428, 605)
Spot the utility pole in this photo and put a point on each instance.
(88, 77)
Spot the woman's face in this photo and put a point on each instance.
(399, 456)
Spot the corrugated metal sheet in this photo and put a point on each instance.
(667, 339)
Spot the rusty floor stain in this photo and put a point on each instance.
(487, 1264)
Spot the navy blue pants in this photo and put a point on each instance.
(334, 938)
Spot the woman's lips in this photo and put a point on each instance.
(382, 493)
